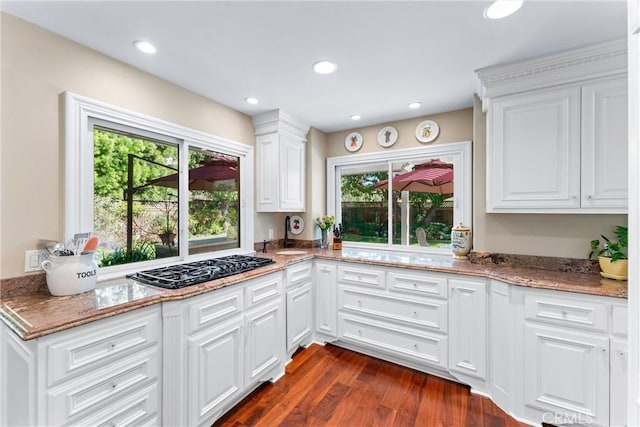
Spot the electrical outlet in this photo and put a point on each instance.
(33, 260)
(271, 234)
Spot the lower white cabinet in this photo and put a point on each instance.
(223, 344)
(215, 371)
(299, 305)
(103, 373)
(567, 373)
(325, 285)
(619, 382)
(468, 327)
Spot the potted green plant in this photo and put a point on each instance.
(612, 254)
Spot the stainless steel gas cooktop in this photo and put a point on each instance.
(192, 273)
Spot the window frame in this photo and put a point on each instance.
(459, 152)
(81, 113)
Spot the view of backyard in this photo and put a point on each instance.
(136, 195)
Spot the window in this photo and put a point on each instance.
(428, 193)
(151, 190)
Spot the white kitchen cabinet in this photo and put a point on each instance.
(280, 162)
(567, 372)
(325, 286)
(557, 132)
(619, 382)
(604, 148)
(533, 151)
(501, 361)
(265, 346)
(103, 372)
(299, 305)
(468, 327)
(216, 370)
(224, 342)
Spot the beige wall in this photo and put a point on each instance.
(37, 66)
(455, 126)
(528, 234)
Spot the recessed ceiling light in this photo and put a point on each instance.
(415, 104)
(502, 8)
(324, 67)
(251, 100)
(355, 117)
(145, 47)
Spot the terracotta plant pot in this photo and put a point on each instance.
(613, 270)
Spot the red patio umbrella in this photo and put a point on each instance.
(207, 177)
(434, 176)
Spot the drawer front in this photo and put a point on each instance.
(91, 346)
(299, 274)
(429, 314)
(619, 320)
(418, 284)
(92, 392)
(566, 312)
(367, 277)
(138, 409)
(263, 290)
(409, 344)
(212, 308)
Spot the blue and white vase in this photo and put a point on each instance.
(461, 241)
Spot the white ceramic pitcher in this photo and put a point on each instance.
(69, 275)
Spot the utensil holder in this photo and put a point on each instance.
(70, 275)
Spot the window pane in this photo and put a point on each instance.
(214, 208)
(364, 206)
(423, 202)
(135, 207)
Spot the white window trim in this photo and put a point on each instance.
(459, 152)
(80, 111)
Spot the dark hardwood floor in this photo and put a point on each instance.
(331, 386)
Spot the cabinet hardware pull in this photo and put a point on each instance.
(589, 197)
(603, 350)
(415, 285)
(359, 303)
(415, 346)
(621, 353)
(114, 386)
(112, 346)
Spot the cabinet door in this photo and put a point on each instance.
(605, 141)
(267, 180)
(533, 151)
(215, 371)
(468, 327)
(326, 296)
(298, 315)
(264, 343)
(292, 174)
(567, 373)
(619, 381)
(501, 341)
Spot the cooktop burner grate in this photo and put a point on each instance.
(193, 273)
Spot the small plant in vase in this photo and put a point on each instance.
(324, 223)
(612, 254)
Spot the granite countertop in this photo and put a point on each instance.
(35, 314)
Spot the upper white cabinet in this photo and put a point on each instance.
(280, 162)
(557, 132)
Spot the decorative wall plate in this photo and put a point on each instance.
(353, 142)
(297, 224)
(387, 136)
(427, 131)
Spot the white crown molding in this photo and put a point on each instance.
(275, 121)
(568, 66)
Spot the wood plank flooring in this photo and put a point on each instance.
(331, 386)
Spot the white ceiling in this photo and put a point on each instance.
(389, 53)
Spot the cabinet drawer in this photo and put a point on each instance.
(91, 346)
(90, 393)
(368, 277)
(214, 307)
(418, 284)
(403, 342)
(138, 409)
(566, 312)
(619, 320)
(263, 289)
(429, 314)
(299, 274)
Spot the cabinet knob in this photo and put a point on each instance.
(359, 278)
(114, 386)
(603, 350)
(415, 314)
(620, 353)
(415, 285)
(360, 332)
(359, 303)
(589, 197)
(564, 313)
(415, 346)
